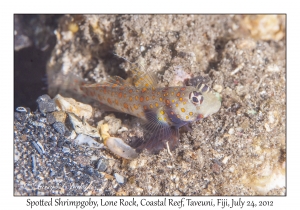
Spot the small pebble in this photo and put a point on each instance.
(231, 131)
(41, 147)
(66, 150)
(37, 147)
(53, 138)
(20, 116)
(43, 98)
(33, 165)
(50, 118)
(120, 179)
(46, 104)
(21, 109)
(38, 124)
(52, 173)
(59, 127)
(101, 164)
(89, 171)
(39, 193)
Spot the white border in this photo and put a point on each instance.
(153, 6)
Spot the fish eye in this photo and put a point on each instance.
(196, 97)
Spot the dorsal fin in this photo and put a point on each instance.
(141, 78)
(113, 81)
(144, 79)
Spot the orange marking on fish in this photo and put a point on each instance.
(135, 106)
(141, 99)
(120, 95)
(182, 109)
(130, 98)
(191, 113)
(122, 88)
(136, 98)
(187, 117)
(125, 105)
(147, 98)
(180, 99)
(183, 88)
(130, 91)
(160, 99)
(167, 101)
(116, 102)
(153, 97)
(151, 106)
(109, 101)
(178, 94)
(156, 104)
(145, 107)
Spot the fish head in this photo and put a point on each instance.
(197, 103)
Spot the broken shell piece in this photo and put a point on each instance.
(83, 128)
(104, 131)
(113, 123)
(118, 147)
(70, 105)
(84, 139)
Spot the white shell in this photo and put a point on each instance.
(118, 147)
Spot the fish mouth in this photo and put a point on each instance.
(211, 104)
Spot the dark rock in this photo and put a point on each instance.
(50, 118)
(102, 164)
(53, 138)
(46, 104)
(43, 98)
(66, 150)
(59, 127)
(89, 171)
(20, 116)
